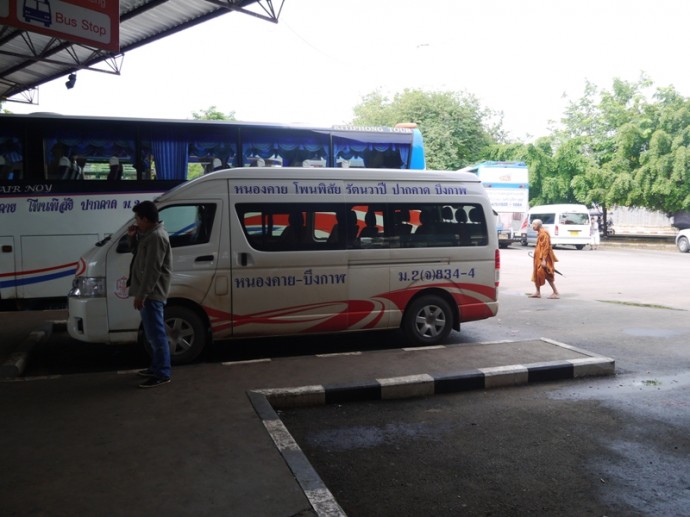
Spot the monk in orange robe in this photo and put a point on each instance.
(543, 267)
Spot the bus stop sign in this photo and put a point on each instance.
(91, 22)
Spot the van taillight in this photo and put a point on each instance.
(497, 267)
(555, 230)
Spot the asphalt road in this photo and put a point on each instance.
(609, 446)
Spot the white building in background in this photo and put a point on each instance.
(640, 221)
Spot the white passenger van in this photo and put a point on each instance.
(567, 224)
(266, 251)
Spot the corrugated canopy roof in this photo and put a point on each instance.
(29, 59)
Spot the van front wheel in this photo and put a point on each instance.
(428, 320)
(186, 334)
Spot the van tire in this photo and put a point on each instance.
(683, 245)
(580, 246)
(187, 334)
(428, 320)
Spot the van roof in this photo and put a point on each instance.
(345, 173)
(566, 207)
(325, 173)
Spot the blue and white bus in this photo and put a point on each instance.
(68, 182)
(507, 184)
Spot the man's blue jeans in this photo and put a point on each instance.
(154, 329)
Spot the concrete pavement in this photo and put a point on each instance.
(211, 442)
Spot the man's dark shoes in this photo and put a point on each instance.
(152, 382)
(146, 373)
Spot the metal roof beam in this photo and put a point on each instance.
(114, 65)
(267, 5)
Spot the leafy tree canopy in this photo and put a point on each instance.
(457, 130)
(212, 113)
(627, 146)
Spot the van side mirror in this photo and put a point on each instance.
(123, 245)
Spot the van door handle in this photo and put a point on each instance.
(204, 258)
(243, 259)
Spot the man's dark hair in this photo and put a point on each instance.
(148, 210)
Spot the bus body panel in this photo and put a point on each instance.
(256, 286)
(8, 285)
(51, 231)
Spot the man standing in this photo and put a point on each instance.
(543, 266)
(149, 283)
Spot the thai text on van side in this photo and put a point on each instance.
(325, 189)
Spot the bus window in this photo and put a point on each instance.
(348, 153)
(11, 160)
(87, 158)
(284, 148)
(215, 152)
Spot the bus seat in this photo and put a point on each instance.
(477, 227)
(427, 223)
(402, 227)
(370, 230)
(345, 229)
(295, 232)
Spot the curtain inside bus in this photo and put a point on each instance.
(170, 158)
(284, 148)
(375, 155)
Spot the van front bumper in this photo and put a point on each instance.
(87, 320)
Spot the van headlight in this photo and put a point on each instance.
(88, 287)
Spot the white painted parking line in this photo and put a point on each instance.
(337, 354)
(250, 361)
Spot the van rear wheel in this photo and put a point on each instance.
(428, 320)
(187, 334)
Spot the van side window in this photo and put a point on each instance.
(337, 226)
(188, 225)
(290, 227)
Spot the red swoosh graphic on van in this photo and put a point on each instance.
(353, 314)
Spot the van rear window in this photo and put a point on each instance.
(549, 218)
(574, 218)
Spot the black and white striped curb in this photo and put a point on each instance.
(266, 401)
(429, 384)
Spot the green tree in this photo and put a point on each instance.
(457, 130)
(635, 147)
(212, 113)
